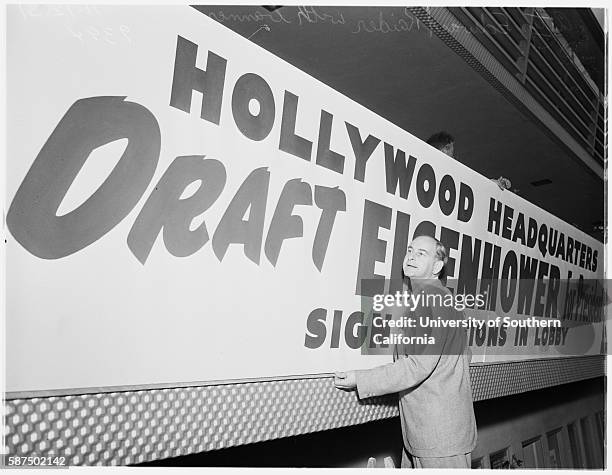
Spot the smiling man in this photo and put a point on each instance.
(435, 394)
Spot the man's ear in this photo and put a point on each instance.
(437, 267)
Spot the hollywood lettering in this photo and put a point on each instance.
(93, 122)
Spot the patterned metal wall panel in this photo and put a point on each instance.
(121, 428)
(504, 379)
(137, 426)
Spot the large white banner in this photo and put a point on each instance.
(184, 206)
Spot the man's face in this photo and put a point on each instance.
(421, 261)
(449, 149)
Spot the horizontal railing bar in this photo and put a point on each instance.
(587, 128)
(491, 40)
(517, 25)
(558, 112)
(573, 69)
(561, 82)
(563, 68)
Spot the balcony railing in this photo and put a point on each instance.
(526, 42)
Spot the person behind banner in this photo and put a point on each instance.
(445, 142)
(435, 394)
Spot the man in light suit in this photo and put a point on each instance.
(435, 394)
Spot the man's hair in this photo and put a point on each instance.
(440, 140)
(441, 255)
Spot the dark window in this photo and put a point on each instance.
(499, 459)
(587, 439)
(575, 445)
(554, 453)
(478, 463)
(599, 424)
(532, 453)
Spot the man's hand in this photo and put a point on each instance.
(503, 183)
(346, 380)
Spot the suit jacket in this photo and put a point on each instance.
(435, 394)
